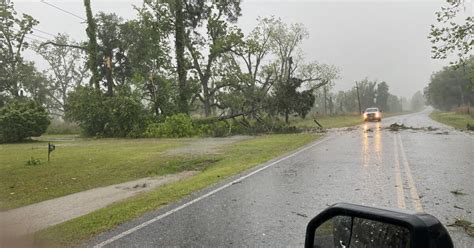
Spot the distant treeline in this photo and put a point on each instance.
(452, 87)
(370, 94)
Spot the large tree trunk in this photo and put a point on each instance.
(180, 37)
(206, 100)
(92, 50)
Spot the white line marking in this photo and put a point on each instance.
(398, 177)
(159, 217)
(413, 192)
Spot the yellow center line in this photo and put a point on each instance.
(398, 177)
(413, 192)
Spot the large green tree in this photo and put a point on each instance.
(14, 70)
(146, 41)
(448, 88)
(367, 93)
(382, 95)
(220, 38)
(269, 70)
(115, 69)
(454, 37)
(93, 62)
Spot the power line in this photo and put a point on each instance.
(39, 30)
(44, 32)
(33, 39)
(41, 37)
(38, 36)
(63, 10)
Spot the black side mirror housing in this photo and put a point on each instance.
(343, 223)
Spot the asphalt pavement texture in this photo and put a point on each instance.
(368, 164)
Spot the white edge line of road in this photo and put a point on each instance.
(159, 217)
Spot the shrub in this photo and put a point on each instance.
(215, 129)
(182, 125)
(98, 115)
(22, 119)
(84, 106)
(175, 126)
(124, 115)
(33, 161)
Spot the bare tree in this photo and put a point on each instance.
(67, 69)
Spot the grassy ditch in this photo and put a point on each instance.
(453, 119)
(236, 158)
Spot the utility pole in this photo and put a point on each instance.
(358, 98)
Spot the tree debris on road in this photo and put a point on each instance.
(397, 127)
(458, 192)
(466, 225)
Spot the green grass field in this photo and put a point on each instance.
(236, 158)
(79, 164)
(453, 119)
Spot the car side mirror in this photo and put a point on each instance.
(350, 225)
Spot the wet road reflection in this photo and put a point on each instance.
(273, 206)
(371, 143)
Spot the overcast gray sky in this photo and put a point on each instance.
(383, 40)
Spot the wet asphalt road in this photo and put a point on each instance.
(367, 165)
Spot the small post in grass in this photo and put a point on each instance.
(51, 148)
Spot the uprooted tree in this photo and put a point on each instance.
(267, 74)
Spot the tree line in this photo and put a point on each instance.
(176, 58)
(451, 87)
